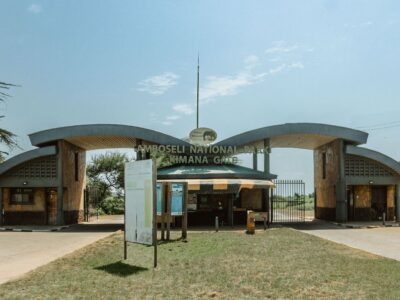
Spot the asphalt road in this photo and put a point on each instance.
(384, 241)
(21, 252)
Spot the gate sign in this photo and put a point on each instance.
(139, 187)
(176, 199)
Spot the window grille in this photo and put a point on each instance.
(364, 167)
(44, 167)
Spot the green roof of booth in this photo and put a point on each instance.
(211, 172)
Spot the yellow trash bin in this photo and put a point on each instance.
(251, 223)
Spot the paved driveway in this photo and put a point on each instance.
(21, 252)
(384, 241)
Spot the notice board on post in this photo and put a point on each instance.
(140, 202)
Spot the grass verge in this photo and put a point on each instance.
(279, 263)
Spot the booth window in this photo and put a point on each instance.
(21, 196)
(323, 165)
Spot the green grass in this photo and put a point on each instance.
(279, 263)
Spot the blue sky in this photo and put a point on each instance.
(262, 63)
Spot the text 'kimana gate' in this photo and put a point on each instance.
(287, 202)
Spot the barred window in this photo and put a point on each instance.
(21, 196)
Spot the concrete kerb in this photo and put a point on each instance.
(364, 226)
(27, 229)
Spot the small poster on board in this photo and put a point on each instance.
(159, 198)
(176, 199)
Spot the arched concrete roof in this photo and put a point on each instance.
(374, 155)
(26, 156)
(100, 136)
(296, 135)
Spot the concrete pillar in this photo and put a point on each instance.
(255, 158)
(139, 152)
(1, 206)
(267, 151)
(398, 202)
(138, 155)
(341, 201)
(60, 182)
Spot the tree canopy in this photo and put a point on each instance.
(106, 171)
(7, 138)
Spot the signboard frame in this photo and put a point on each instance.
(154, 212)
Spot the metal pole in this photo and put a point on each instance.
(163, 201)
(272, 204)
(216, 224)
(1, 206)
(397, 202)
(185, 216)
(198, 89)
(155, 211)
(169, 210)
(125, 243)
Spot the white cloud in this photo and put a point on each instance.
(217, 86)
(297, 65)
(34, 8)
(172, 118)
(282, 67)
(251, 61)
(158, 84)
(277, 69)
(183, 108)
(279, 47)
(167, 123)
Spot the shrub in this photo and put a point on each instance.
(113, 205)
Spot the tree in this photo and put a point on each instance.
(106, 172)
(7, 138)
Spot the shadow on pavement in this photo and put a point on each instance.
(109, 227)
(315, 225)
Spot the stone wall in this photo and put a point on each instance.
(325, 188)
(362, 202)
(391, 196)
(73, 187)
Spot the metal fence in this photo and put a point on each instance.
(287, 201)
(91, 203)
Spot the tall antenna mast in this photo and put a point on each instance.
(198, 79)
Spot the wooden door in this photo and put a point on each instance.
(350, 203)
(378, 202)
(51, 207)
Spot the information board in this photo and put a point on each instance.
(139, 190)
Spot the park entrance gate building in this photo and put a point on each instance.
(46, 185)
